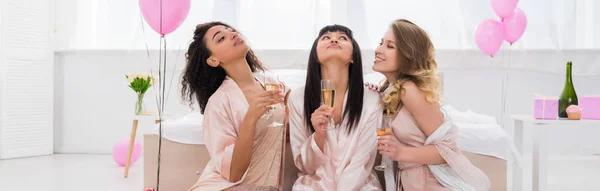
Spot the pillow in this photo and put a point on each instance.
(187, 129)
(374, 78)
(293, 78)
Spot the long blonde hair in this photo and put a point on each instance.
(416, 63)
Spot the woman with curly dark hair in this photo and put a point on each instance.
(246, 150)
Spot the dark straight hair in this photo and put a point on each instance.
(312, 89)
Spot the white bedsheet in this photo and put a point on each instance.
(477, 133)
(187, 129)
(481, 134)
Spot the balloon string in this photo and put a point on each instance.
(160, 77)
(148, 58)
(504, 88)
(164, 73)
(160, 110)
(173, 73)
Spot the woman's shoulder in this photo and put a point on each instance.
(297, 94)
(370, 99)
(295, 100)
(410, 86)
(411, 94)
(222, 95)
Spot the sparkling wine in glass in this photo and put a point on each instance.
(328, 98)
(384, 129)
(271, 82)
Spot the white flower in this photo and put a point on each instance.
(130, 77)
(154, 79)
(140, 77)
(144, 75)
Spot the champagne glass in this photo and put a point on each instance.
(328, 98)
(384, 129)
(271, 82)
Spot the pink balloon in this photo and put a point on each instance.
(504, 8)
(488, 36)
(173, 13)
(121, 150)
(514, 26)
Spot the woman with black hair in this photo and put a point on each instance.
(246, 150)
(339, 156)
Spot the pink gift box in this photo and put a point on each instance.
(545, 108)
(590, 107)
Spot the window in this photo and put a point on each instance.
(293, 24)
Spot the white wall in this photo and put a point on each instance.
(26, 73)
(93, 106)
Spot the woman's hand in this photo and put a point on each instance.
(319, 119)
(389, 146)
(372, 87)
(260, 104)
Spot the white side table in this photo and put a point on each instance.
(136, 119)
(539, 138)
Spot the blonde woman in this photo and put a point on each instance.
(423, 139)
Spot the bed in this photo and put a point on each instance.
(184, 155)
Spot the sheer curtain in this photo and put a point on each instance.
(293, 24)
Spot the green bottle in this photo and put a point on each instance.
(568, 96)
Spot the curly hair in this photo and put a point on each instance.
(199, 80)
(416, 64)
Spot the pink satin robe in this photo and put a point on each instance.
(223, 117)
(418, 177)
(346, 164)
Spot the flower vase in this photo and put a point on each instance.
(140, 106)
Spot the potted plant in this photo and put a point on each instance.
(140, 82)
